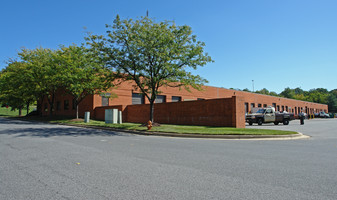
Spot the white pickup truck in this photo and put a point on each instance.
(268, 115)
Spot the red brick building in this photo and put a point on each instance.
(205, 110)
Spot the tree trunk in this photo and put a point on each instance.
(151, 111)
(39, 105)
(39, 108)
(27, 108)
(76, 110)
(20, 111)
(51, 109)
(52, 104)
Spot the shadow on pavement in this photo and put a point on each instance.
(8, 121)
(57, 131)
(271, 125)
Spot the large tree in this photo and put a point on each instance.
(17, 89)
(83, 73)
(151, 54)
(46, 72)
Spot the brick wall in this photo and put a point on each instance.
(124, 97)
(214, 112)
(86, 105)
(124, 92)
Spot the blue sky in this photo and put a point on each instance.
(276, 43)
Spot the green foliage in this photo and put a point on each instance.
(332, 101)
(318, 95)
(83, 73)
(42, 72)
(288, 93)
(265, 92)
(273, 94)
(45, 70)
(17, 89)
(298, 91)
(151, 54)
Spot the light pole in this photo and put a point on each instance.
(253, 84)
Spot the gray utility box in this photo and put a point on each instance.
(111, 116)
(86, 117)
(119, 117)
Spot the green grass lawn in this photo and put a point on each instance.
(183, 128)
(8, 112)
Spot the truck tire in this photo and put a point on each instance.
(259, 121)
(250, 123)
(285, 121)
(276, 123)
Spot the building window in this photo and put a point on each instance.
(278, 108)
(105, 99)
(287, 109)
(137, 98)
(58, 105)
(66, 104)
(160, 99)
(259, 105)
(200, 99)
(265, 105)
(282, 108)
(176, 99)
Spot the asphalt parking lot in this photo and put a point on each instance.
(316, 128)
(45, 161)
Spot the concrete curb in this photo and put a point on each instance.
(182, 135)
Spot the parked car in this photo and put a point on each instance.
(322, 114)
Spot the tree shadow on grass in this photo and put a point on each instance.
(60, 131)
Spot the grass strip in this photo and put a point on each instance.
(168, 128)
(8, 112)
